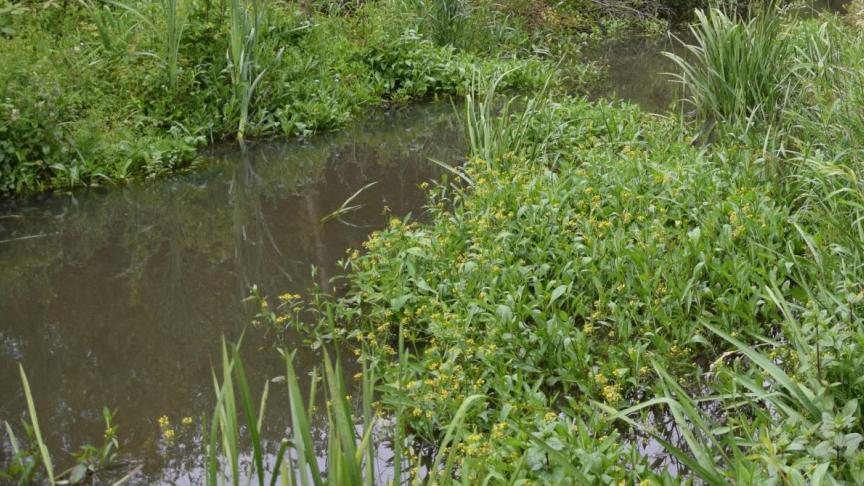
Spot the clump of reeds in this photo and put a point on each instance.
(736, 71)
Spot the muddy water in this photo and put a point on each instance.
(118, 298)
(637, 71)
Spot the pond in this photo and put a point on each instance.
(119, 298)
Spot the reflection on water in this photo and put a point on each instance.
(119, 298)
(638, 71)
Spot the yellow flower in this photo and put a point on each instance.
(163, 421)
(168, 434)
(186, 421)
(498, 430)
(611, 393)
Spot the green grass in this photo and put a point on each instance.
(737, 69)
(106, 93)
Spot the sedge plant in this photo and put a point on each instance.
(350, 452)
(246, 17)
(736, 70)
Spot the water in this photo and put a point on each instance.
(119, 298)
(637, 71)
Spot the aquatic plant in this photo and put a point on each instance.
(246, 18)
(31, 461)
(737, 69)
(580, 282)
(494, 127)
(350, 452)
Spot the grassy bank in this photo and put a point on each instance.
(109, 92)
(103, 92)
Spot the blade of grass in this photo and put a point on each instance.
(249, 410)
(453, 431)
(303, 444)
(773, 370)
(34, 421)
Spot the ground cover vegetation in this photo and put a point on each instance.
(603, 296)
(613, 282)
(106, 91)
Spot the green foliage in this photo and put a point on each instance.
(495, 129)
(591, 262)
(446, 20)
(245, 29)
(556, 279)
(590, 275)
(350, 450)
(827, 70)
(737, 69)
(123, 91)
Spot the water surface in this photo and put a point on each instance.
(119, 298)
(637, 71)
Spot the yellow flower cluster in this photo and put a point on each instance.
(498, 430)
(165, 427)
(475, 445)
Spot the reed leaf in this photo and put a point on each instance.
(37, 431)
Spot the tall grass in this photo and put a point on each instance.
(167, 30)
(496, 126)
(446, 20)
(246, 18)
(828, 72)
(738, 68)
(720, 445)
(175, 23)
(350, 451)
